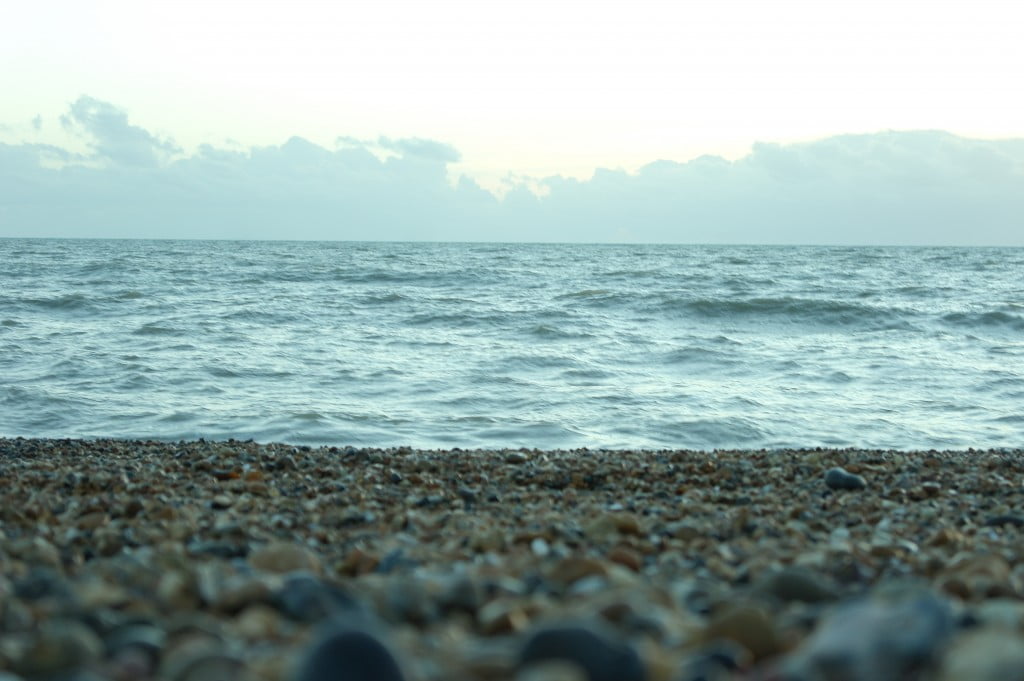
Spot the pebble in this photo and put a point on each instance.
(59, 646)
(601, 658)
(795, 583)
(282, 557)
(346, 655)
(839, 478)
(985, 655)
(307, 598)
(876, 639)
(748, 624)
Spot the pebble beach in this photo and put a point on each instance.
(221, 561)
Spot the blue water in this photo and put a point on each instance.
(513, 345)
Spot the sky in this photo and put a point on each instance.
(494, 113)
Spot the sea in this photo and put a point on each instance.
(480, 345)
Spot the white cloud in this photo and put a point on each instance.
(112, 137)
(916, 187)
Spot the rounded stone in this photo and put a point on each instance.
(839, 478)
(58, 646)
(307, 598)
(749, 625)
(600, 658)
(284, 557)
(795, 583)
(348, 655)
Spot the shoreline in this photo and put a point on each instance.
(151, 559)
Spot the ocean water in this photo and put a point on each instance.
(513, 345)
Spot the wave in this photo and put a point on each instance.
(992, 319)
(585, 293)
(66, 302)
(157, 329)
(548, 332)
(790, 309)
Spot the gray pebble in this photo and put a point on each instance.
(601, 658)
(839, 478)
(876, 640)
(307, 598)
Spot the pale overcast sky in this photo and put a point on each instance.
(505, 94)
(524, 86)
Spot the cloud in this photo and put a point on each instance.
(919, 187)
(422, 148)
(113, 138)
(409, 147)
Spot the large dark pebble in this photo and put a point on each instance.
(349, 655)
(601, 658)
(839, 478)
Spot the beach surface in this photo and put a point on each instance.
(204, 561)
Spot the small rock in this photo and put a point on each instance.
(143, 638)
(484, 541)
(985, 655)
(1005, 519)
(574, 568)
(627, 557)
(58, 646)
(601, 658)
(283, 557)
(794, 583)
(178, 590)
(461, 594)
(983, 575)
(747, 624)
(258, 623)
(501, 617)
(236, 592)
(221, 502)
(718, 660)
(608, 525)
(838, 478)
(307, 598)
(1000, 612)
(210, 666)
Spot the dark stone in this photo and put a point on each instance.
(1005, 519)
(41, 583)
(721, 659)
(345, 655)
(394, 560)
(838, 478)
(794, 583)
(600, 658)
(431, 501)
(147, 638)
(306, 598)
(216, 549)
